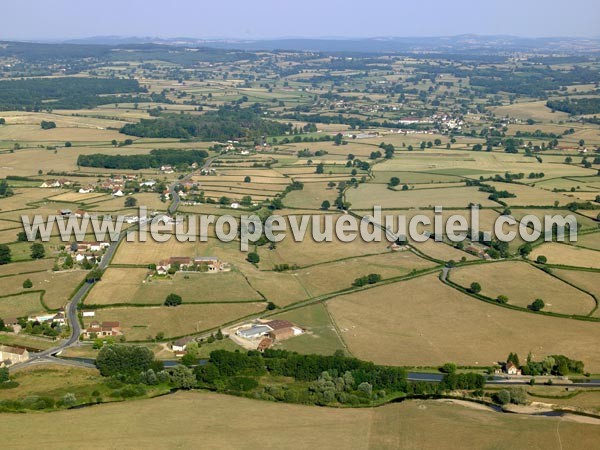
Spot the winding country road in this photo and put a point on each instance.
(50, 355)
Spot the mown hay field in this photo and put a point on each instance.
(424, 322)
(588, 281)
(368, 195)
(418, 424)
(568, 255)
(130, 285)
(522, 284)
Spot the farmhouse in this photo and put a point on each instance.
(11, 321)
(511, 369)
(50, 184)
(180, 344)
(104, 329)
(58, 318)
(12, 355)
(212, 263)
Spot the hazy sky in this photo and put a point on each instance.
(255, 19)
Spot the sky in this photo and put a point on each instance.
(260, 19)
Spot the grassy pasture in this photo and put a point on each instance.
(58, 285)
(424, 322)
(144, 323)
(321, 336)
(522, 284)
(20, 305)
(311, 196)
(591, 240)
(567, 254)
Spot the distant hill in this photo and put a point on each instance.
(453, 44)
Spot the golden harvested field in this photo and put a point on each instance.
(312, 196)
(368, 195)
(20, 305)
(73, 196)
(474, 164)
(24, 267)
(536, 110)
(442, 251)
(152, 252)
(281, 288)
(27, 162)
(127, 285)
(144, 323)
(309, 252)
(150, 200)
(58, 285)
(383, 177)
(336, 276)
(531, 196)
(589, 241)
(568, 255)
(424, 322)
(59, 134)
(412, 424)
(26, 196)
(522, 284)
(61, 118)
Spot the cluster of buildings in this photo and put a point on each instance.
(88, 250)
(55, 183)
(211, 263)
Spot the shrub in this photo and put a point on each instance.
(537, 305)
(502, 397)
(173, 300)
(475, 288)
(242, 384)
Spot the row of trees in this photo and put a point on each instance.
(37, 251)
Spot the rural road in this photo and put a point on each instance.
(49, 355)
